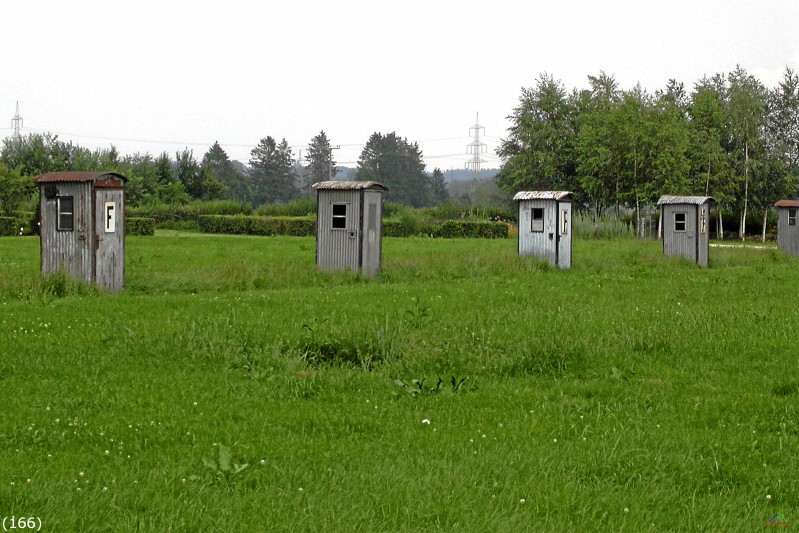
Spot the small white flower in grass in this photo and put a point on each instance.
(626, 510)
(425, 422)
(106, 452)
(768, 497)
(300, 490)
(263, 462)
(80, 474)
(555, 440)
(522, 501)
(105, 489)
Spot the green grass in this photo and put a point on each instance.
(631, 393)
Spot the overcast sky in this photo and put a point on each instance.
(168, 75)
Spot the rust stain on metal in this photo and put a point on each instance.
(542, 195)
(348, 185)
(101, 179)
(668, 199)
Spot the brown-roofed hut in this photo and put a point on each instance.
(787, 227)
(82, 226)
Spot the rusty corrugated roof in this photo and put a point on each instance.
(787, 203)
(55, 177)
(668, 199)
(542, 195)
(348, 185)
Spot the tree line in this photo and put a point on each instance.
(273, 174)
(729, 137)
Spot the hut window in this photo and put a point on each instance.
(679, 221)
(66, 213)
(537, 219)
(791, 217)
(339, 216)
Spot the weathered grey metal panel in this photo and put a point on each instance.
(539, 241)
(70, 251)
(564, 234)
(788, 235)
(686, 230)
(338, 248)
(703, 234)
(109, 238)
(372, 232)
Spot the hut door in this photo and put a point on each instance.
(564, 230)
(109, 238)
(372, 238)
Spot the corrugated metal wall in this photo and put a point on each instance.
(338, 249)
(109, 245)
(703, 234)
(71, 251)
(541, 244)
(373, 232)
(693, 242)
(787, 236)
(564, 210)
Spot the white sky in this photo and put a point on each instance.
(150, 76)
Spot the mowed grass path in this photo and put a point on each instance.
(631, 393)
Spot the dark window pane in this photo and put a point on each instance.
(66, 215)
(339, 216)
(537, 217)
(679, 221)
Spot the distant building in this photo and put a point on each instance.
(685, 223)
(349, 225)
(545, 226)
(83, 226)
(787, 227)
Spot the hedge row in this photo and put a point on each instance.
(140, 226)
(450, 229)
(306, 227)
(455, 229)
(9, 226)
(187, 212)
(255, 225)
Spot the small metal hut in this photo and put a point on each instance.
(685, 222)
(787, 228)
(545, 226)
(349, 225)
(83, 226)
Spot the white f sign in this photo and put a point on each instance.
(110, 217)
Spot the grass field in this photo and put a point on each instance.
(231, 387)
